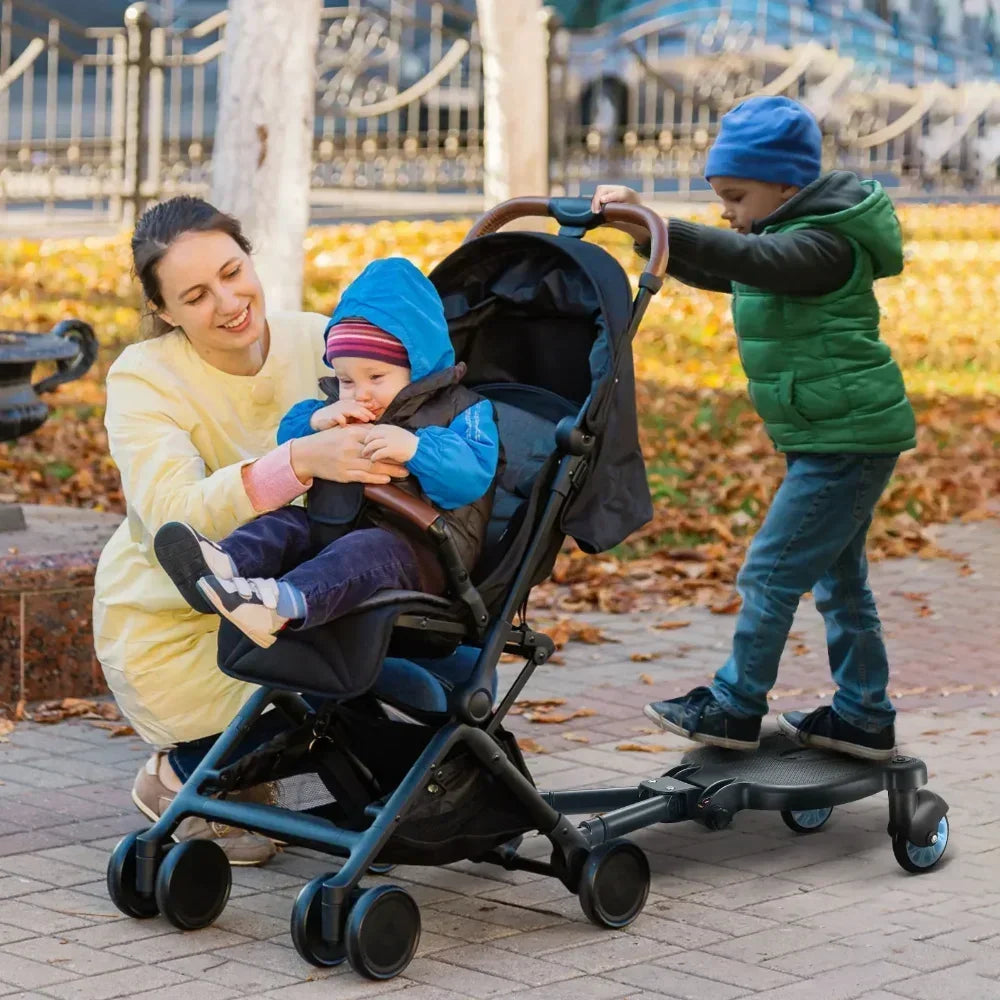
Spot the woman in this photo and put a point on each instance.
(191, 419)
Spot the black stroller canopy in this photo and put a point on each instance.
(554, 313)
(537, 310)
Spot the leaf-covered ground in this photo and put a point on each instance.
(711, 468)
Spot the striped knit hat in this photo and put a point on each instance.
(357, 338)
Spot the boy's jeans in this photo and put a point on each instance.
(813, 538)
(334, 580)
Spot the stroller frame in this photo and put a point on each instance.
(378, 929)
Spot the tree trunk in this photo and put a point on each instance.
(263, 140)
(515, 92)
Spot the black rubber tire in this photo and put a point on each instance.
(614, 883)
(382, 932)
(307, 927)
(919, 860)
(121, 880)
(791, 819)
(193, 883)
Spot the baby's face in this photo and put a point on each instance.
(744, 201)
(374, 384)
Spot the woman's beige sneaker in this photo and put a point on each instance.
(151, 797)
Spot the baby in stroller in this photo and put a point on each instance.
(395, 370)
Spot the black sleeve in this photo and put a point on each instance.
(803, 262)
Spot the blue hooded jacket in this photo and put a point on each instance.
(455, 465)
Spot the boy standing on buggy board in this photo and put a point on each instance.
(800, 264)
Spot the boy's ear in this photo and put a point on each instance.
(788, 191)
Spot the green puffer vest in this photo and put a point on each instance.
(819, 376)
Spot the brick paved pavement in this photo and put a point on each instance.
(752, 912)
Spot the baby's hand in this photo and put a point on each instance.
(607, 193)
(388, 443)
(340, 414)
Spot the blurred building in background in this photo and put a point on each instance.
(105, 106)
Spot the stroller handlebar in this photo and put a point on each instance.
(575, 216)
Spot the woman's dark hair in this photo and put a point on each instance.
(159, 226)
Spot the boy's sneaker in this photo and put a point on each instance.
(699, 717)
(151, 797)
(249, 604)
(186, 556)
(826, 730)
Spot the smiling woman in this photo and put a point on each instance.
(192, 414)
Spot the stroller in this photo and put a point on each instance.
(386, 722)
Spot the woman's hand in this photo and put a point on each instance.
(388, 443)
(607, 193)
(340, 414)
(336, 454)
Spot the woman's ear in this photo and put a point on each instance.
(167, 318)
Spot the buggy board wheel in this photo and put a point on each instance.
(614, 883)
(193, 883)
(806, 820)
(380, 869)
(918, 858)
(382, 932)
(307, 926)
(121, 880)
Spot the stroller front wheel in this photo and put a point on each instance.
(121, 880)
(193, 884)
(614, 883)
(307, 927)
(383, 931)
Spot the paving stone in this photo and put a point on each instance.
(121, 983)
(26, 973)
(495, 962)
(177, 944)
(676, 985)
(62, 953)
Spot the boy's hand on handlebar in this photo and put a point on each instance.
(607, 193)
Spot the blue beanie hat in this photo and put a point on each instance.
(771, 139)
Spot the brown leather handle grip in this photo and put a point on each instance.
(403, 504)
(635, 215)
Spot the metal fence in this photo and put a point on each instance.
(648, 112)
(107, 118)
(112, 117)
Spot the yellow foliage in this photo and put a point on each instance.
(939, 316)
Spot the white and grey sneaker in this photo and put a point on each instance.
(251, 605)
(186, 556)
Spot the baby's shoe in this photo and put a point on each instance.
(699, 717)
(824, 729)
(151, 797)
(251, 605)
(186, 556)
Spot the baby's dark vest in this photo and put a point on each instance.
(334, 508)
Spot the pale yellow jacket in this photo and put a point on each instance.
(180, 432)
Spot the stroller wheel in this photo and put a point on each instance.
(806, 820)
(307, 927)
(121, 880)
(193, 883)
(918, 858)
(382, 933)
(614, 883)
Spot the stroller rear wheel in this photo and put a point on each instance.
(382, 932)
(614, 883)
(193, 883)
(121, 880)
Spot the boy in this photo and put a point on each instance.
(395, 369)
(801, 266)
